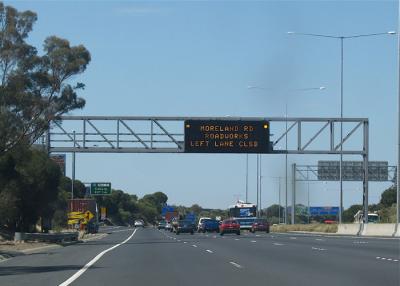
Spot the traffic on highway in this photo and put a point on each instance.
(192, 143)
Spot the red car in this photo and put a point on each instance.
(260, 225)
(229, 226)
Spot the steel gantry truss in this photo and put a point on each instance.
(158, 134)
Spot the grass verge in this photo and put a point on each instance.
(329, 228)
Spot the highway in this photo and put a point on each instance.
(152, 257)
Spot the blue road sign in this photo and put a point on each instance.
(315, 211)
(167, 209)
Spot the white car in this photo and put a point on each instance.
(200, 221)
(139, 223)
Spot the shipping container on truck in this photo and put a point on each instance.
(84, 205)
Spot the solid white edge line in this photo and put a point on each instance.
(235, 264)
(93, 261)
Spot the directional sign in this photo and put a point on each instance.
(99, 189)
(76, 215)
(103, 213)
(73, 221)
(227, 136)
(88, 216)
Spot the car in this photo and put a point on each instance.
(200, 222)
(168, 226)
(229, 226)
(184, 226)
(139, 223)
(161, 224)
(260, 225)
(209, 225)
(246, 223)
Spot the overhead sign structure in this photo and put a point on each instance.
(227, 136)
(100, 189)
(352, 171)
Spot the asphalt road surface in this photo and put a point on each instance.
(152, 257)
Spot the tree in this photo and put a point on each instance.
(28, 188)
(348, 215)
(388, 197)
(273, 211)
(34, 89)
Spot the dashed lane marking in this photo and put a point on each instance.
(194, 245)
(387, 259)
(253, 241)
(278, 244)
(317, 248)
(235, 264)
(209, 251)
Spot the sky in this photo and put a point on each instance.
(197, 58)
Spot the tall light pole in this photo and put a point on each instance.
(247, 178)
(342, 38)
(398, 125)
(286, 140)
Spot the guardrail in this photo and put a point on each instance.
(47, 237)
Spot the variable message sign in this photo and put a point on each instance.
(352, 171)
(227, 136)
(99, 189)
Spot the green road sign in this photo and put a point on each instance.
(100, 189)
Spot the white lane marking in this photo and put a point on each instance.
(360, 242)
(178, 240)
(317, 248)
(319, 239)
(214, 236)
(93, 261)
(395, 260)
(257, 235)
(209, 251)
(279, 244)
(293, 238)
(174, 238)
(185, 242)
(121, 230)
(253, 241)
(235, 264)
(237, 238)
(194, 245)
(390, 259)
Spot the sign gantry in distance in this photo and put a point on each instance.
(227, 136)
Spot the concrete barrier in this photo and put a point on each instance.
(397, 233)
(349, 229)
(378, 229)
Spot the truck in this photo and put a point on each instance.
(83, 206)
(372, 217)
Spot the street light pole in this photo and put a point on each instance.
(341, 131)
(247, 177)
(398, 125)
(73, 168)
(342, 38)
